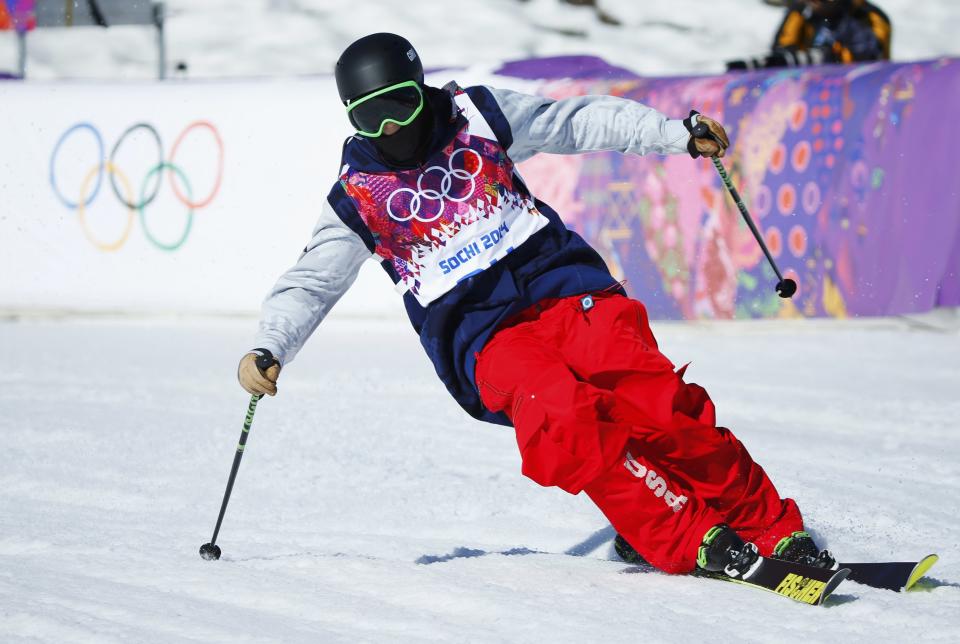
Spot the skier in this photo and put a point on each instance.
(521, 318)
(814, 32)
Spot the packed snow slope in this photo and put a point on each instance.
(218, 38)
(368, 507)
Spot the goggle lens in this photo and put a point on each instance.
(398, 104)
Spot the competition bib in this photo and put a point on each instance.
(452, 218)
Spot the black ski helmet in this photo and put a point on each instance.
(374, 62)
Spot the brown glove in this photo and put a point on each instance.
(711, 141)
(255, 379)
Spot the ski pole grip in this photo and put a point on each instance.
(265, 359)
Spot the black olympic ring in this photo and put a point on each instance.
(113, 156)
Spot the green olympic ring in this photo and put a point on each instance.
(143, 202)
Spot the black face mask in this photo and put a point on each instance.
(408, 146)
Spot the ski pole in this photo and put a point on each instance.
(785, 287)
(210, 551)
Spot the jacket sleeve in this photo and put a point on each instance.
(586, 124)
(304, 294)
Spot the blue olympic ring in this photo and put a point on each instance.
(53, 157)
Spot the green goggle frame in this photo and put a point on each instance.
(377, 109)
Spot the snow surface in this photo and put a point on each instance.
(219, 38)
(368, 507)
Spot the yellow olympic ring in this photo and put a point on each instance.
(81, 206)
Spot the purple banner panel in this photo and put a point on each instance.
(847, 170)
(587, 67)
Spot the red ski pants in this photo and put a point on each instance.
(597, 408)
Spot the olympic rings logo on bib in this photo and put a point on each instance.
(89, 187)
(442, 195)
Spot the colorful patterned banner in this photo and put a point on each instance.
(847, 170)
(18, 14)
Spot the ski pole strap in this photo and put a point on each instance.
(265, 359)
(696, 132)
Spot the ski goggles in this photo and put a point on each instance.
(398, 104)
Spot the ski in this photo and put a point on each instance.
(794, 580)
(890, 575)
(801, 583)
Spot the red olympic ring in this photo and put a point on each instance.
(186, 201)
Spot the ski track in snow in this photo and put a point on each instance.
(369, 507)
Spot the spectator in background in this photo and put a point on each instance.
(815, 32)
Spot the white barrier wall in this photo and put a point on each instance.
(259, 159)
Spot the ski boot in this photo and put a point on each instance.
(800, 548)
(626, 552)
(724, 551)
